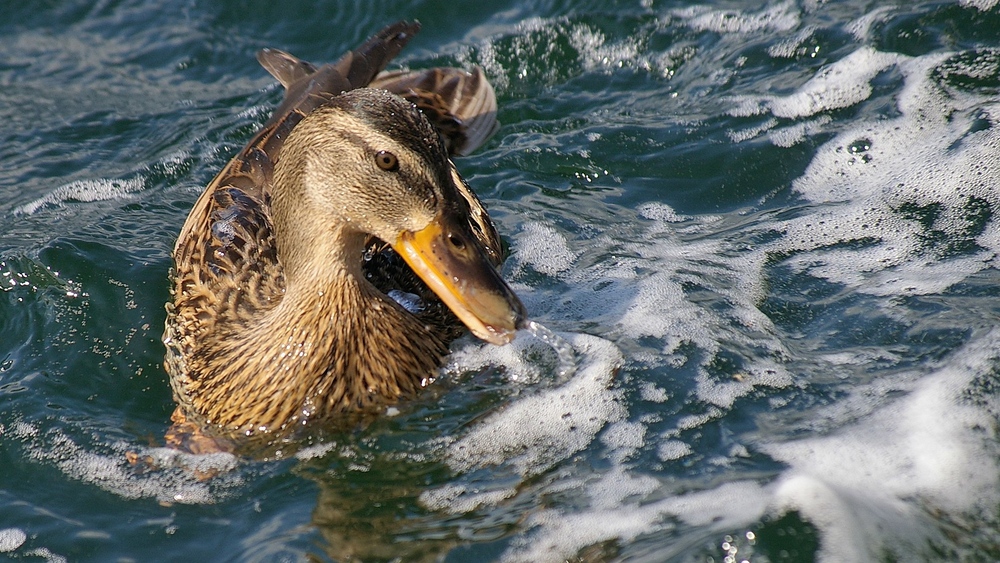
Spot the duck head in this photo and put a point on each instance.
(370, 164)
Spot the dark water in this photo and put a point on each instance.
(769, 232)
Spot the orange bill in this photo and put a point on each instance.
(454, 265)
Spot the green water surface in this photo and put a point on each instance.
(769, 231)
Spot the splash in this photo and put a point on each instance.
(566, 352)
(536, 431)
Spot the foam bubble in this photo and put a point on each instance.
(794, 45)
(176, 478)
(794, 134)
(981, 5)
(11, 539)
(840, 84)
(620, 510)
(861, 28)
(546, 251)
(657, 211)
(650, 392)
(669, 450)
(460, 498)
(783, 16)
(624, 438)
(102, 189)
(858, 484)
(541, 429)
(46, 554)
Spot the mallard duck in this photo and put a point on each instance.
(329, 265)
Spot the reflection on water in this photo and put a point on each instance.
(419, 491)
(374, 515)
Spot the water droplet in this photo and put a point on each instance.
(565, 351)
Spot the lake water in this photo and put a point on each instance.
(769, 232)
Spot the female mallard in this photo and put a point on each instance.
(322, 271)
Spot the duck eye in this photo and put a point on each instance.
(456, 241)
(387, 161)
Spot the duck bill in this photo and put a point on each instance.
(465, 280)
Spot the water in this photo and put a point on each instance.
(564, 350)
(767, 233)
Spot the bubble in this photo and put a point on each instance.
(85, 190)
(539, 430)
(11, 539)
(159, 473)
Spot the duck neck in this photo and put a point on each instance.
(337, 344)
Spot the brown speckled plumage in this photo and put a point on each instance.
(280, 313)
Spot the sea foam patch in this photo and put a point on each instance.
(556, 417)
(900, 202)
(84, 191)
(906, 201)
(619, 507)
(11, 539)
(893, 473)
(893, 205)
(163, 474)
(783, 16)
(543, 428)
(645, 292)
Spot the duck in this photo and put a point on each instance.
(327, 268)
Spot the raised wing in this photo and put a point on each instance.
(462, 105)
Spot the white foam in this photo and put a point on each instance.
(620, 509)
(174, 478)
(541, 429)
(650, 392)
(624, 438)
(783, 16)
(724, 392)
(981, 5)
(460, 499)
(840, 84)
(102, 189)
(858, 484)
(928, 157)
(46, 554)
(546, 251)
(11, 539)
(794, 134)
(861, 28)
(657, 211)
(669, 450)
(793, 46)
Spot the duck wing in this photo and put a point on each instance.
(462, 105)
(307, 86)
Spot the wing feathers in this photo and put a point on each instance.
(462, 105)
